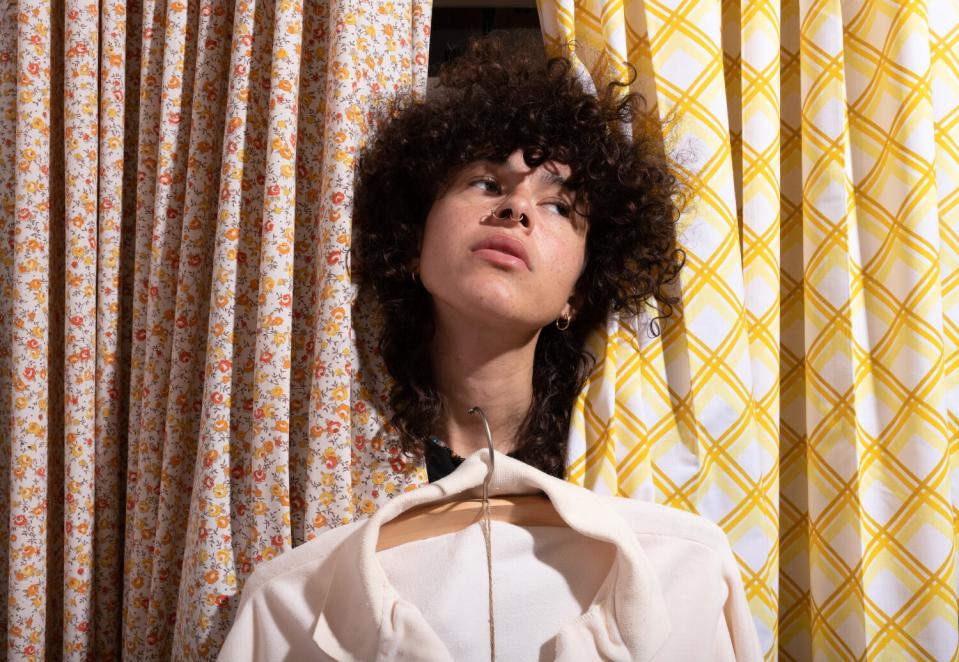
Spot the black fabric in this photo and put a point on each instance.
(440, 460)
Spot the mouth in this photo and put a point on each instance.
(503, 250)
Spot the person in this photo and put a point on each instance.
(495, 225)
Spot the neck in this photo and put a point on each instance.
(485, 368)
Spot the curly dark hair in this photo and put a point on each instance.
(489, 104)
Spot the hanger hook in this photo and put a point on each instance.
(489, 444)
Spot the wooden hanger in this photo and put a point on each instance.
(436, 519)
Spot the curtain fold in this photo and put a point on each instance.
(27, 225)
(806, 399)
(182, 396)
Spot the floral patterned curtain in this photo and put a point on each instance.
(808, 399)
(181, 395)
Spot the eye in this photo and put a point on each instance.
(487, 184)
(560, 207)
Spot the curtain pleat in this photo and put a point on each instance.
(81, 155)
(28, 226)
(100, 624)
(8, 128)
(755, 136)
(944, 70)
(795, 624)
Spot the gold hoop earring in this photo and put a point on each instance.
(565, 319)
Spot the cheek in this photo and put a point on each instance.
(432, 247)
(569, 260)
(438, 250)
(430, 237)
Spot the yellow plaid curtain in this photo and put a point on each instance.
(808, 398)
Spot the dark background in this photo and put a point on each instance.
(454, 22)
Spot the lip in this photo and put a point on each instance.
(507, 247)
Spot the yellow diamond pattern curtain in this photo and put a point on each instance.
(179, 390)
(808, 398)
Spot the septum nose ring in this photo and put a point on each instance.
(506, 214)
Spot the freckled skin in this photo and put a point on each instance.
(490, 287)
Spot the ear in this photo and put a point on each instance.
(573, 304)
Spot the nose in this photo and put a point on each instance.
(515, 208)
(505, 213)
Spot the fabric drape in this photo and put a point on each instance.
(808, 398)
(181, 396)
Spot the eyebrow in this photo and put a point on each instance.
(548, 177)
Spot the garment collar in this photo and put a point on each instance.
(627, 620)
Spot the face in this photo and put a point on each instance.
(503, 245)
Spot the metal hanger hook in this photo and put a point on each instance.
(489, 444)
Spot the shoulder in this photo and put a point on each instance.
(699, 580)
(294, 565)
(651, 520)
(280, 601)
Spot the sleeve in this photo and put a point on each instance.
(738, 630)
(253, 633)
(241, 641)
(271, 625)
(279, 605)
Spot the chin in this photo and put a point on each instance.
(491, 308)
(488, 299)
(488, 309)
